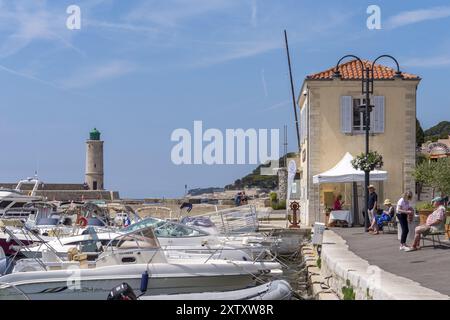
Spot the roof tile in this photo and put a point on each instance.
(352, 70)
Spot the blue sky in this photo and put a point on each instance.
(137, 70)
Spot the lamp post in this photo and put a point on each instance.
(366, 108)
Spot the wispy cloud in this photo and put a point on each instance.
(88, 77)
(264, 84)
(234, 51)
(278, 105)
(172, 13)
(120, 26)
(23, 22)
(415, 16)
(29, 77)
(436, 61)
(254, 17)
(34, 78)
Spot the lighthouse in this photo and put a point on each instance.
(94, 161)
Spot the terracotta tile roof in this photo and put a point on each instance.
(351, 70)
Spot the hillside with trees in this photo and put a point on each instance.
(439, 131)
(256, 180)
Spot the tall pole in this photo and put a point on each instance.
(367, 172)
(292, 90)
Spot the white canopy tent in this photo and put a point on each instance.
(344, 172)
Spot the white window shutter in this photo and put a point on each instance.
(305, 121)
(346, 114)
(378, 114)
(302, 125)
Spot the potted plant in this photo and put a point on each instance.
(435, 174)
(372, 161)
(273, 200)
(424, 209)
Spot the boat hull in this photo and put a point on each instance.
(86, 284)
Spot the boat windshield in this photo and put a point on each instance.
(166, 229)
(144, 223)
(173, 230)
(137, 239)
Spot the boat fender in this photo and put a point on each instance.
(144, 281)
(82, 221)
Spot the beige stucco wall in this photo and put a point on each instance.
(327, 144)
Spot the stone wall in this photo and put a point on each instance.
(78, 195)
(282, 183)
(46, 186)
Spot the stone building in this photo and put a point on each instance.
(437, 150)
(94, 161)
(92, 188)
(331, 125)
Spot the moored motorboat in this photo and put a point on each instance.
(171, 235)
(133, 256)
(274, 290)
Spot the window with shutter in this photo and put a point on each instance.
(346, 114)
(378, 114)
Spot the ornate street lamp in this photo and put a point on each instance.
(366, 108)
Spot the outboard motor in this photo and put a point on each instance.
(122, 292)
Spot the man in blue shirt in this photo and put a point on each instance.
(373, 202)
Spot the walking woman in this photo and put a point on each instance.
(403, 211)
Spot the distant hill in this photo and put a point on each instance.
(256, 180)
(439, 131)
(199, 191)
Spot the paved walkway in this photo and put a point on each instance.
(429, 266)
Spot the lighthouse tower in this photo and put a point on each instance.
(94, 161)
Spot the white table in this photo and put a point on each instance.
(343, 215)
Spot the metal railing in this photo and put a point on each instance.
(234, 220)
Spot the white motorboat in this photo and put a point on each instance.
(172, 237)
(13, 200)
(136, 257)
(47, 221)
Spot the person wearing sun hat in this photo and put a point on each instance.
(434, 219)
(386, 216)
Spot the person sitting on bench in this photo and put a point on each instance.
(434, 219)
(385, 216)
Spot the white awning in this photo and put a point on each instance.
(343, 172)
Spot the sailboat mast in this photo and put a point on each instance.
(292, 90)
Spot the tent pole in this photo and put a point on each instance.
(355, 203)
